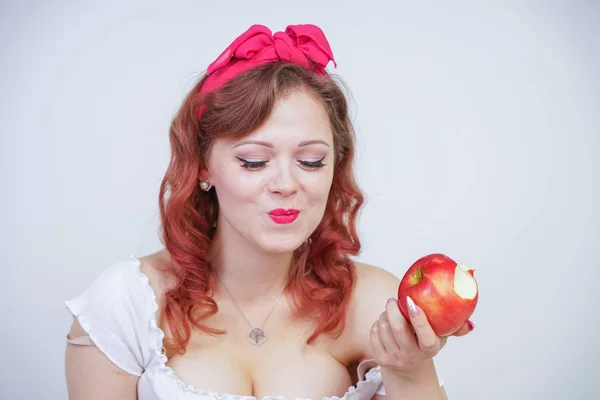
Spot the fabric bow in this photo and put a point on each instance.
(304, 45)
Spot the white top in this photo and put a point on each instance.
(118, 311)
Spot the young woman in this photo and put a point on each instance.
(255, 294)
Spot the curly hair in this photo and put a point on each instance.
(322, 275)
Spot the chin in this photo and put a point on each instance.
(280, 243)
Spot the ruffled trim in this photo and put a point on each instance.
(374, 374)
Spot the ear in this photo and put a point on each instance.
(204, 174)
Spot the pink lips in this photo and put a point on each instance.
(281, 216)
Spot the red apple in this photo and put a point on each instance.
(446, 291)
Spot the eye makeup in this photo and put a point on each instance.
(313, 164)
(252, 165)
(257, 165)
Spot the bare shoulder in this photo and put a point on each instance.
(373, 281)
(374, 286)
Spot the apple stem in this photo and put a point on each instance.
(417, 276)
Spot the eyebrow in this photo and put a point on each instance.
(269, 145)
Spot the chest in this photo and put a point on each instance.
(284, 365)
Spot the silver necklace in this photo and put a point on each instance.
(257, 335)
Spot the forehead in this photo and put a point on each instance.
(297, 117)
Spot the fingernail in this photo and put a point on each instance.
(412, 308)
(390, 299)
(471, 324)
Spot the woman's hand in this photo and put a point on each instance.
(398, 346)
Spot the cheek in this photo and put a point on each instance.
(235, 186)
(318, 188)
(246, 185)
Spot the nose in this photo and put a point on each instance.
(283, 182)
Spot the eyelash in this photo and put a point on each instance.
(261, 164)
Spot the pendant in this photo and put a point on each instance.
(257, 335)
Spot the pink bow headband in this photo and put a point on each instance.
(304, 45)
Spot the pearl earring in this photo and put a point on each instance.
(205, 185)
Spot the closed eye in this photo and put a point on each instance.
(313, 164)
(257, 165)
(252, 165)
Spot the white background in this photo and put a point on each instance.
(478, 136)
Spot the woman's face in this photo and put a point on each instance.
(273, 184)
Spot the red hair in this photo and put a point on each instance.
(322, 275)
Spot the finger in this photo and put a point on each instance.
(376, 344)
(466, 328)
(387, 336)
(442, 340)
(429, 342)
(403, 332)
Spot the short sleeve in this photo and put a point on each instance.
(116, 312)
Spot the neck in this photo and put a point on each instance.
(253, 277)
